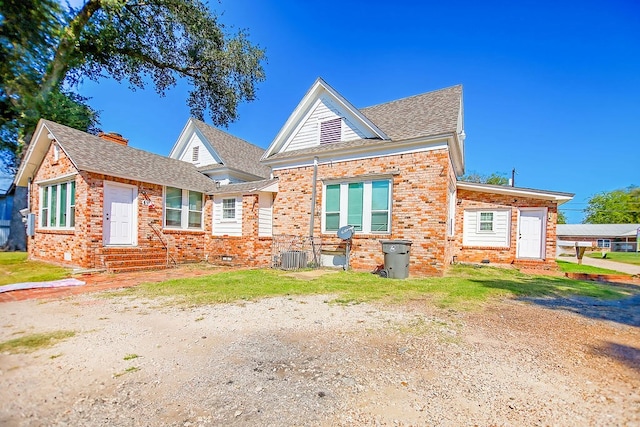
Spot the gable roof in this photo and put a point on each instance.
(316, 91)
(516, 191)
(94, 154)
(598, 230)
(252, 187)
(428, 116)
(234, 153)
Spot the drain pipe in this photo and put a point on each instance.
(313, 208)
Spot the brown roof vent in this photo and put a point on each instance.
(113, 137)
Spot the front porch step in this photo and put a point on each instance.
(535, 264)
(128, 259)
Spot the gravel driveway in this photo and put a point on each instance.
(305, 361)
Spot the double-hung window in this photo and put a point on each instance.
(485, 222)
(182, 208)
(365, 205)
(58, 205)
(229, 208)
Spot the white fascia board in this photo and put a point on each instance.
(359, 153)
(515, 191)
(182, 140)
(303, 108)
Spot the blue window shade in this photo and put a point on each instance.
(332, 207)
(354, 210)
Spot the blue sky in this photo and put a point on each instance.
(551, 89)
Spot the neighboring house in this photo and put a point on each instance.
(390, 171)
(603, 237)
(6, 206)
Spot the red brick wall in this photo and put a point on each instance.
(419, 207)
(481, 200)
(83, 243)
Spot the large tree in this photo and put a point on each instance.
(614, 207)
(27, 29)
(141, 41)
(495, 178)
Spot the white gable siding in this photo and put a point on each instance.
(308, 132)
(205, 156)
(229, 227)
(265, 215)
(498, 237)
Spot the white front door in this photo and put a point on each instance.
(119, 214)
(531, 233)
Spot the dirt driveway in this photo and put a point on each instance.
(305, 361)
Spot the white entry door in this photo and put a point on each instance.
(118, 218)
(531, 229)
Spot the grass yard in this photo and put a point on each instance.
(626, 257)
(15, 268)
(572, 267)
(464, 287)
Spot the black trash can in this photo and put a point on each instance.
(396, 258)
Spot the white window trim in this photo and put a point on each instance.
(366, 203)
(47, 187)
(606, 243)
(184, 211)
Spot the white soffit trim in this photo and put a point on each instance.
(516, 191)
(302, 110)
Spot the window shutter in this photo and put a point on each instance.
(330, 131)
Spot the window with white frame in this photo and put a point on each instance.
(604, 243)
(364, 205)
(58, 205)
(485, 222)
(182, 208)
(229, 208)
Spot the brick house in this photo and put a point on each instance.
(390, 171)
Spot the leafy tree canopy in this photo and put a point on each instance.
(562, 218)
(26, 43)
(46, 49)
(495, 178)
(614, 207)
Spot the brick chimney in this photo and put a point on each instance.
(113, 137)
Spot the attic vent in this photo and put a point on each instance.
(195, 153)
(330, 131)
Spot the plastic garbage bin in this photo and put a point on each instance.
(396, 258)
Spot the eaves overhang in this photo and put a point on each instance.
(556, 196)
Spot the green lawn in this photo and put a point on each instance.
(572, 267)
(15, 268)
(464, 287)
(626, 257)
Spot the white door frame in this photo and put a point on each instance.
(543, 232)
(134, 214)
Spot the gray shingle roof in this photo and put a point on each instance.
(94, 154)
(244, 187)
(428, 114)
(234, 152)
(597, 230)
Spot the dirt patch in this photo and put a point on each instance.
(305, 361)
